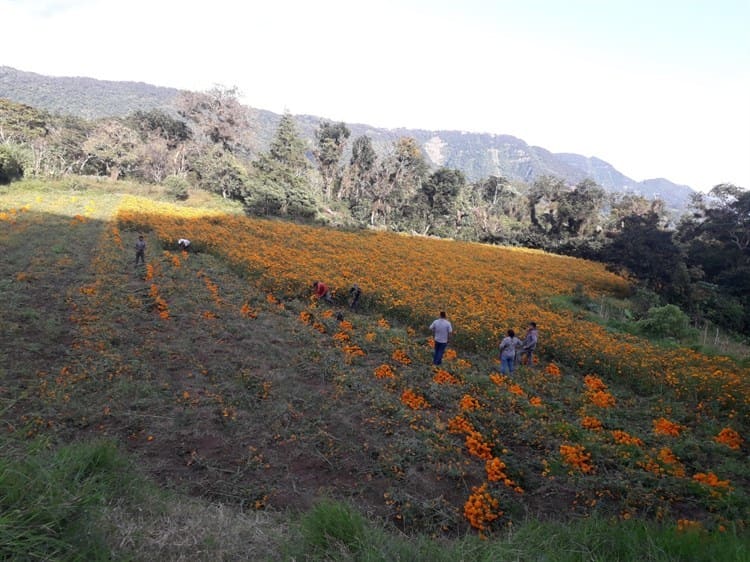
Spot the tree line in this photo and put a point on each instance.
(700, 262)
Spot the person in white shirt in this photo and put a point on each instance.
(183, 243)
(441, 332)
(508, 349)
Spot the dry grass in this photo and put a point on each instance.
(195, 530)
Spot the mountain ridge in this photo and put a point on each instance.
(477, 155)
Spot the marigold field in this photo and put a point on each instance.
(219, 371)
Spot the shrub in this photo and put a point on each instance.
(11, 164)
(177, 187)
(666, 321)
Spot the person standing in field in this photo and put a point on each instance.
(355, 292)
(508, 348)
(140, 251)
(441, 333)
(183, 243)
(322, 291)
(529, 345)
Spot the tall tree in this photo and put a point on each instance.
(113, 145)
(543, 196)
(437, 201)
(398, 178)
(330, 142)
(651, 254)
(717, 242)
(217, 117)
(359, 176)
(280, 183)
(578, 210)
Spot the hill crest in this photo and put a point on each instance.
(477, 155)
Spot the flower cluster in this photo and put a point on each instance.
(444, 377)
(413, 400)
(161, 305)
(400, 356)
(385, 372)
(495, 469)
(624, 438)
(577, 457)
(592, 423)
(481, 508)
(477, 446)
(460, 424)
(710, 479)
(730, 438)
(663, 426)
(468, 403)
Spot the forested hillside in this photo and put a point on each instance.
(476, 155)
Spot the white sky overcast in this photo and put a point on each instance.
(658, 88)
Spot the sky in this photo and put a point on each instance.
(657, 88)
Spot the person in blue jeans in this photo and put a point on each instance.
(508, 348)
(441, 333)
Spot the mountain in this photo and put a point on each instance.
(478, 155)
(84, 97)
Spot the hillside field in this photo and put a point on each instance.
(221, 382)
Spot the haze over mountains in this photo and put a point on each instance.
(478, 155)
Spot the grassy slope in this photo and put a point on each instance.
(255, 408)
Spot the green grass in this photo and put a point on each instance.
(49, 501)
(337, 532)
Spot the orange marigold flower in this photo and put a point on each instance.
(625, 438)
(450, 354)
(594, 383)
(414, 401)
(477, 446)
(444, 377)
(481, 508)
(383, 323)
(341, 336)
(460, 424)
(592, 423)
(305, 317)
(601, 398)
(385, 372)
(730, 438)
(401, 356)
(535, 401)
(498, 379)
(552, 369)
(663, 426)
(469, 403)
(495, 469)
(577, 457)
(354, 351)
(669, 459)
(248, 312)
(710, 479)
(684, 525)
(515, 389)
